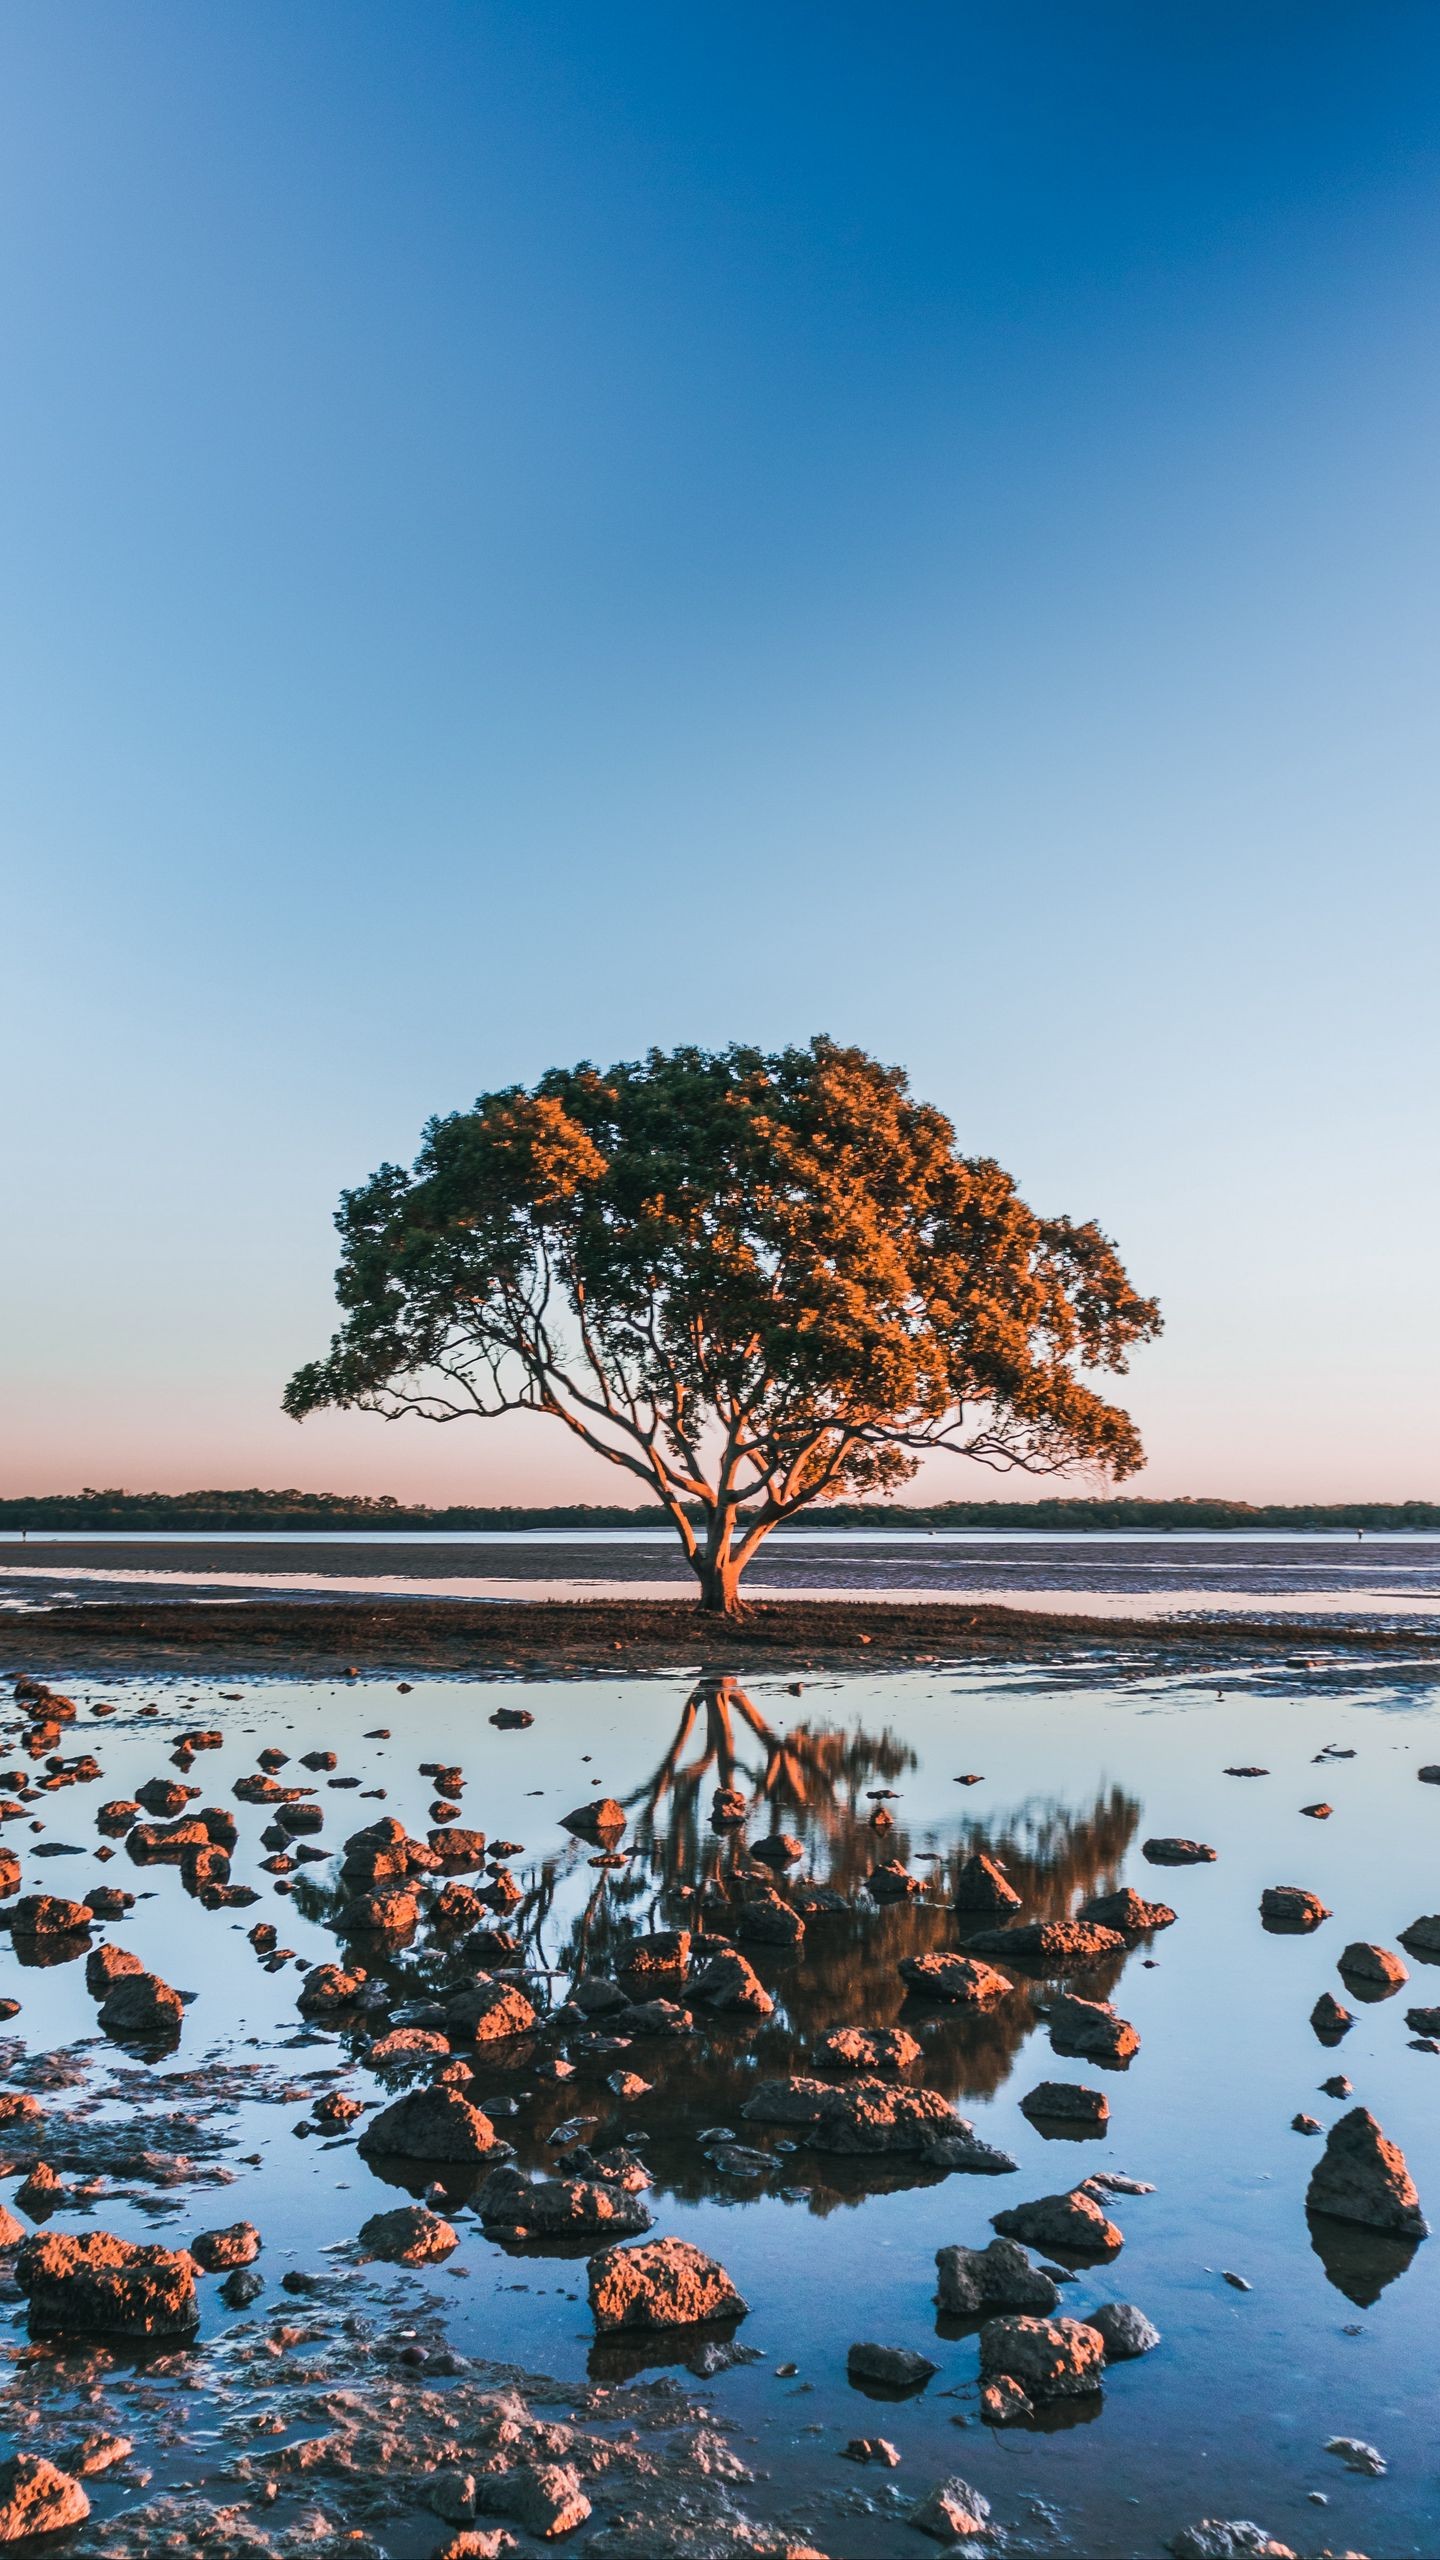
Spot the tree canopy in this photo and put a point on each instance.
(752, 1282)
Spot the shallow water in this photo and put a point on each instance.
(1229, 2417)
(1391, 1577)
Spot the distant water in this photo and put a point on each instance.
(1391, 1577)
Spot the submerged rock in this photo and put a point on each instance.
(660, 2284)
(1361, 2177)
(962, 1980)
(38, 2498)
(998, 2278)
(1050, 2359)
(95, 2281)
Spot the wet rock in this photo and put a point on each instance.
(430, 2124)
(47, 1915)
(1050, 2359)
(1318, 1812)
(781, 1849)
(893, 2368)
(1125, 2330)
(998, 2278)
(982, 1885)
(454, 1845)
(37, 2498)
(953, 2512)
(891, 1882)
(98, 2453)
(410, 2236)
(1358, 2456)
(117, 1816)
(1003, 2403)
(564, 2208)
(1290, 1906)
(17, 2107)
(727, 1982)
(862, 2049)
(142, 2009)
(1128, 1911)
(876, 2449)
(105, 1965)
(376, 1854)
(96, 2282)
(658, 2018)
(329, 1989)
(512, 1719)
(965, 2152)
(407, 2045)
(1063, 1946)
(1337, 2086)
(861, 2117)
(1178, 1853)
(1421, 2022)
(661, 1954)
(9, 1871)
(336, 2109)
(242, 2288)
(1362, 2177)
(544, 2498)
(163, 1796)
(1373, 1969)
(1215, 2538)
(1306, 2124)
(727, 1808)
(235, 2245)
(660, 2284)
(390, 1912)
(596, 1996)
(767, 1921)
(488, 2012)
(1073, 2221)
(962, 1980)
(42, 2192)
(152, 1844)
(1330, 2018)
(1422, 1938)
(1066, 2102)
(1090, 2029)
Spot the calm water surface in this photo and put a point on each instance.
(1230, 2416)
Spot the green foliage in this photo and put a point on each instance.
(750, 1281)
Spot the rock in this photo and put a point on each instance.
(328, 1989)
(660, 2284)
(729, 1983)
(1091, 2029)
(859, 2049)
(601, 1818)
(962, 1980)
(10, 1870)
(663, 1952)
(512, 1719)
(1421, 2022)
(1422, 1938)
(727, 1807)
(104, 1966)
(861, 2117)
(17, 2106)
(242, 2288)
(1050, 2359)
(1330, 2017)
(964, 2151)
(893, 2368)
(1358, 2456)
(1289, 1906)
(981, 1885)
(1362, 2177)
(1124, 2329)
(1372, 1966)
(409, 2236)
(1128, 1911)
(139, 2007)
(47, 1915)
(11, 2231)
(655, 2018)
(391, 1912)
(36, 2498)
(1430, 1774)
(769, 1922)
(998, 2278)
(1306, 2124)
(487, 2012)
(544, 2498)
(872, 2449)
(95, 2281)
(564, 2208)
(454, 1846)
(1003, 2403)
(1178, 1853)
(233, 2246)
(1061, 1945)
(98, 2453)
(430, 2124)
(472, 2545)
(1066, 2102)
(596, 1996)
(1073, 2221)
(953, 2512)
(780, 1850)
(891, 1882)
(1236, 2539)
(1318, 1812)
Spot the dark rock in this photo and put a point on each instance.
(1073, 2221)
(1215, 2538)
(564, 2208)
(859, 2049)
(1362, 2177)
(965, 2152)
(1050, 2359)
(769, 1922)
(661, 1953)
(1128, 1911)
(1371, 1969)
(780, 1850)
(660, 2284)
(233, 2246)
(1125, 2330)
(1178, 1853)
(410, 2236)
(891, 1882)
(1062, 1946)
(37, 2498)
(1066, 2102)
(1422, 1938)
(998, 2278)
(1330, 2018)
(430, 2124)
(139, 2007)
(953, 2512)
(962, 1980)
(893, 2368)
(1091, 2028)
(727, 1982)
(329, 1990)
(981, 1885)
(863, 2117)
(97, 2282)
(488, 2012)
(46, 1915)
(1289, 1907)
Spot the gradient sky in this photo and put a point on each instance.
(530, 531)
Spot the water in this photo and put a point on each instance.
(1228, 2417)
(1382, 1578)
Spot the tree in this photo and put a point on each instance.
(752, 1282)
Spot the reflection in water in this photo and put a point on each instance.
(1359, 2263)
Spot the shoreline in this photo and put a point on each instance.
(493, 1639)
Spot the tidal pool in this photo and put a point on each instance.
(1230, 2416)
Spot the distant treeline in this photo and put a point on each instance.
(254, 1509)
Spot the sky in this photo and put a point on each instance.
(531, 532)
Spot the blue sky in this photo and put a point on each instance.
(530, 532)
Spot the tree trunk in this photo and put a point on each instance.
(719, 1586)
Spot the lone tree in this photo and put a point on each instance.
(751, 1282)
